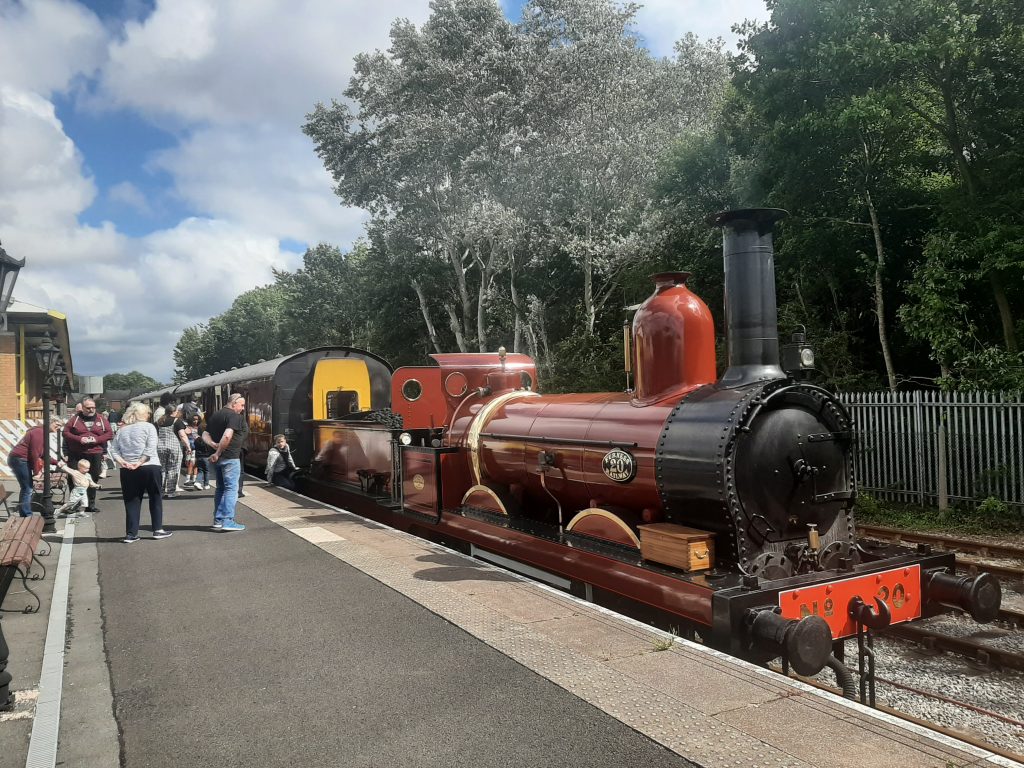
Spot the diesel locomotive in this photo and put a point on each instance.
(723, 502)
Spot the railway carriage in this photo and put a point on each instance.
(293, 395)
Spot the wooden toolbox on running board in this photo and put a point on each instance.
(684, 548)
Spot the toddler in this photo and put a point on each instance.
(77, 499)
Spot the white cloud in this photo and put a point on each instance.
(128, 313)
(210, 69)
(130, 195)
(265, 178)
(127, 299)
(42, 184)
(224, 61)
(662, 22)
(44, 44)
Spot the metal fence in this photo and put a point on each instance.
(926, 447)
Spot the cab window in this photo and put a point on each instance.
(342, 402)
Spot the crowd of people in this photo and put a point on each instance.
(151, 450)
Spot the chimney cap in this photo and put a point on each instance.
(763, 218)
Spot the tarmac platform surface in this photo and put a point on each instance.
(319, 638)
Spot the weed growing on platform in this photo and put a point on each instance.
(666, 643)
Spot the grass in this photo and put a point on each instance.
(992, 516)
(668, 642)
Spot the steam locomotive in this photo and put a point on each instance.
(725, 503)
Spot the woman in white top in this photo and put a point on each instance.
(133, 449)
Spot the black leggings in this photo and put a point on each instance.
(134, 484)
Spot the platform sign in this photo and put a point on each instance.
(899, 588)
(90, 385)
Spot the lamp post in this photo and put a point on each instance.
(47, 355)
(9, 269)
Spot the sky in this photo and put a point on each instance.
(152, 162)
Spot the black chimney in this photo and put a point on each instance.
(751, 313)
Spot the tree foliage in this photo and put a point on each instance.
(509, 167)
(523, 179)
(133, 380)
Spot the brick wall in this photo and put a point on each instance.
(8, 376)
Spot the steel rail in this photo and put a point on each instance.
(962, 645)
(1011, 616)
(1007, 572)
(948, 700)
(945, 541)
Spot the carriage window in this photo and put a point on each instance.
(342, 402)
(412, 390)
(525, 380)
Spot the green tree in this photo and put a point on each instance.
(133, 380)
(832, 133)
(960, 62)
(248, 331)
(508, 168)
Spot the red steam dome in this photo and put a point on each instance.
(674, 338)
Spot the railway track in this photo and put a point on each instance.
(1009, 573)
(943, 541)
(1005, 572)
(1011, 616)
(963, 646)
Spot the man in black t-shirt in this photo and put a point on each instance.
(225, 433)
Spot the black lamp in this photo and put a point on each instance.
(59, 378)
(9, 269)
(47, 355)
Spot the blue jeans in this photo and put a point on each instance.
(226, 471)
(24, 476)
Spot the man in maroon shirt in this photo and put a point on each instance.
(85, 436)
(26, 459)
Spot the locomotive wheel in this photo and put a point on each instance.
(602, 524)
(491, 500)
(829, 557)
(771, 565)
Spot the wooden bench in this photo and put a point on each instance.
(19, 538)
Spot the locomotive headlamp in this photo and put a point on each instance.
(405, 438)
(797, 356)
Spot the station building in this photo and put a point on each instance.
(21, 381)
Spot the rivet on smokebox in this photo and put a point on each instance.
(878, 579)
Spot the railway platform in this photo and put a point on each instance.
(322, 639)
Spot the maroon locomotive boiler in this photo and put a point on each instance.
(724, 501)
